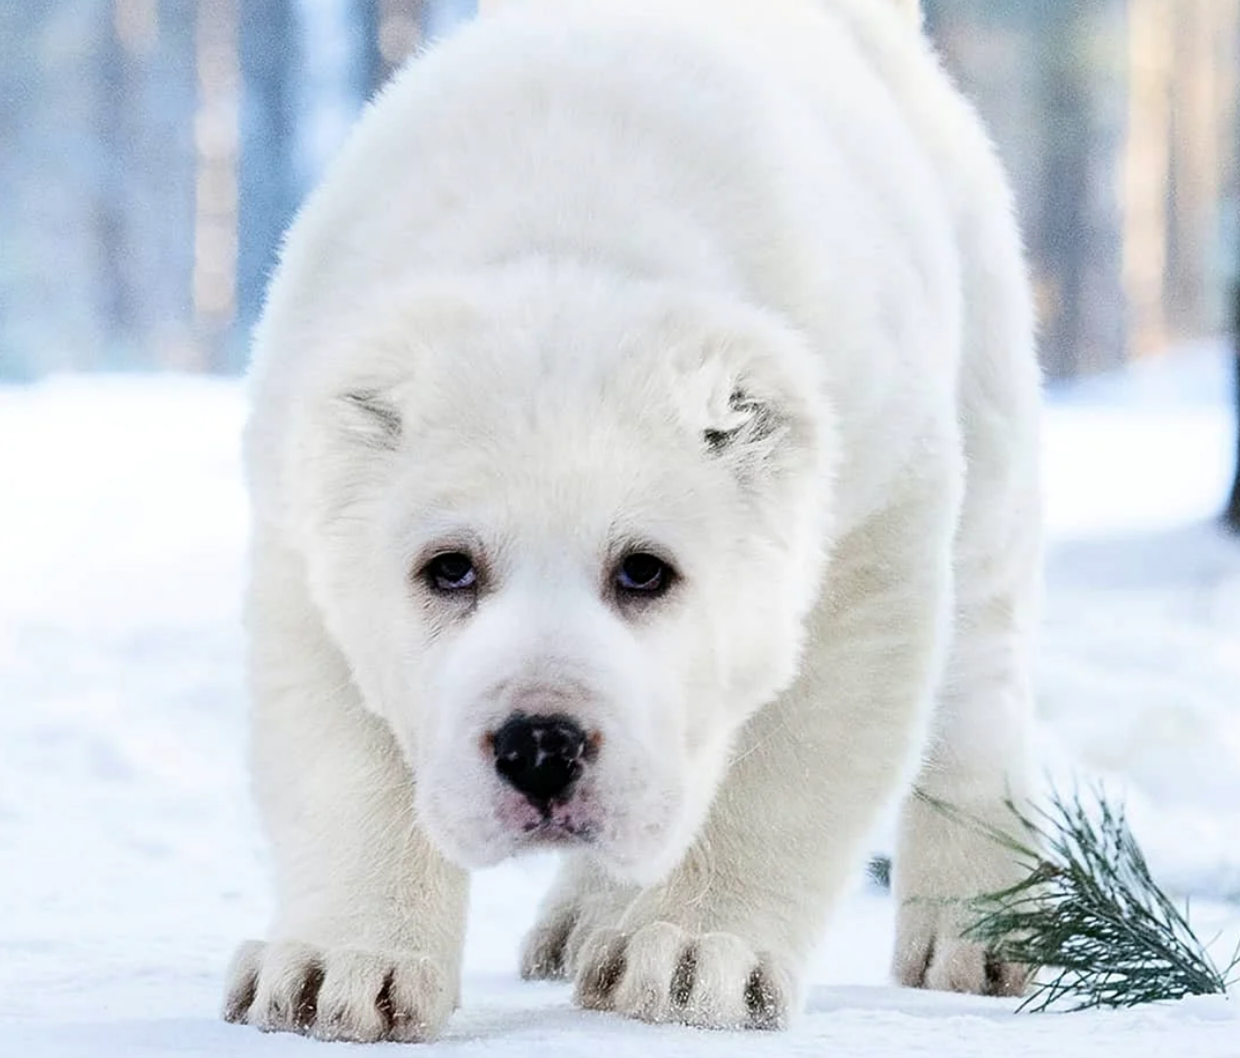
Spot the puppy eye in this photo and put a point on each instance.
(451, 571)
(643, 574)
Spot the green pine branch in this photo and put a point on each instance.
(1089, 915)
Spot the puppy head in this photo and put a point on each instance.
(566, 531)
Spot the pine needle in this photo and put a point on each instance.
(1089, 913)
(878, 873)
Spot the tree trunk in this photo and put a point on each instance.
(269, 185)
(370, 70)
(1232, 515)
(113, 222)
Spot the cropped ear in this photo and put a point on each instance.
(369, 418)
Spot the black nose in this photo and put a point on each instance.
(541, 756)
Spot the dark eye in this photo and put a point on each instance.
(643, 574)
(451, 571)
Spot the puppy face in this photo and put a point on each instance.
(566, 533)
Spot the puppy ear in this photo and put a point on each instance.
(760, 401)
(389, 334)
(748, 422)
(369, 418)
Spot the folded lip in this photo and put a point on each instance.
(555, 822)
(550, 830)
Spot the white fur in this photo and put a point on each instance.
(507, 323)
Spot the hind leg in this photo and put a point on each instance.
(979, 740)
(977, 762)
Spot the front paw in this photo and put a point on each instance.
(337, 993)
(661, 973)
(551, 950)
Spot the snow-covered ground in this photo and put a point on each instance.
(129, 859)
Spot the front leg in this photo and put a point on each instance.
(582, 900)
(724, 942)
(369, 923)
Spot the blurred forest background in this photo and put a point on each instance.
(152, 151)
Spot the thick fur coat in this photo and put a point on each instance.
(660, 372)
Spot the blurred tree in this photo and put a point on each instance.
(307, 67)
(141, 190)
(1232, 515)
(371, 68)
(1049, 79)
(115, 286)
(268, 187)
(157, 37)
(397, 30)
(50, 95)
(1076, 228)
(1182, 59)
(139, 223)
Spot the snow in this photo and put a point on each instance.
(129, 857)
(1140, 674)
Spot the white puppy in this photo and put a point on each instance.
(643, 462)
